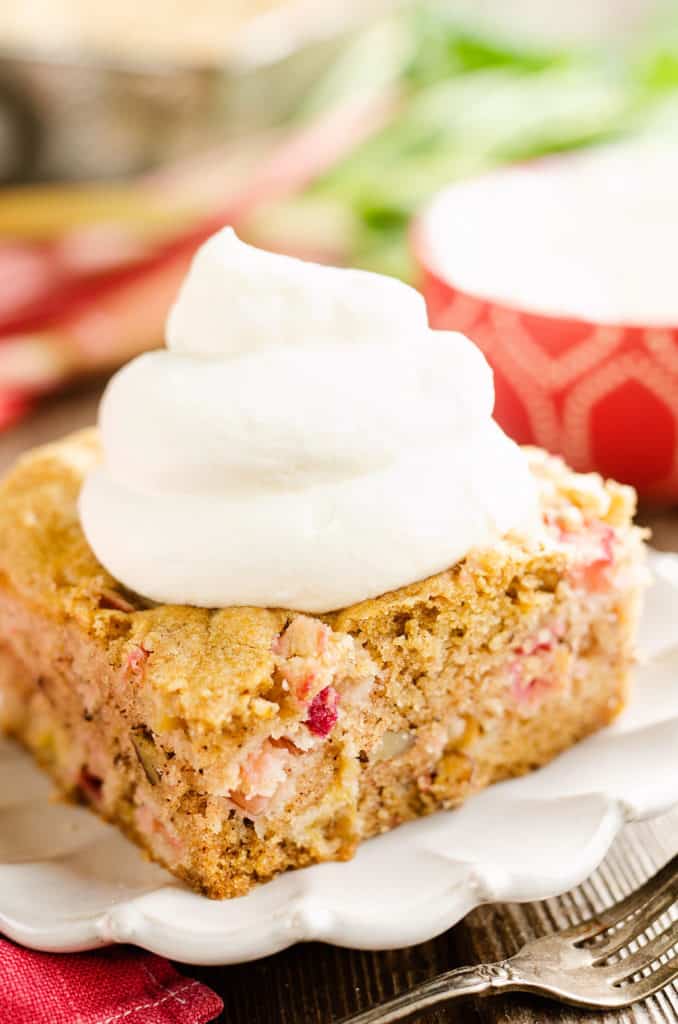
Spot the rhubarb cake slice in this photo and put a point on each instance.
(234, 743)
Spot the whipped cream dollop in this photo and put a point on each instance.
(305, 441)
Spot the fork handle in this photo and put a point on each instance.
(464, 981)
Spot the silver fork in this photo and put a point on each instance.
(607, 962)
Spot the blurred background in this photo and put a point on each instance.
(128, 133)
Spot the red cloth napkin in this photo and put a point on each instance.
(120, 985)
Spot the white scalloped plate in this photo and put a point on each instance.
(69, 882)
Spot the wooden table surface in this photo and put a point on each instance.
(316, 984)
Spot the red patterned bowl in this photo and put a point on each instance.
(585, 359)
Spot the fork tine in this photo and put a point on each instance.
(666, 877)
(651, 983)
(666, 880)
(657, 905)
(645, 956)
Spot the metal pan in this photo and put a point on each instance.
(71, 118)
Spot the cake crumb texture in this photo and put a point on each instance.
(232, 744)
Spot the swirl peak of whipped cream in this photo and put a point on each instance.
(305, 441)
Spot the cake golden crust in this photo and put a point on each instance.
(235, 743)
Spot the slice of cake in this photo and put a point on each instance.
(300, 587)
(235, 743)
